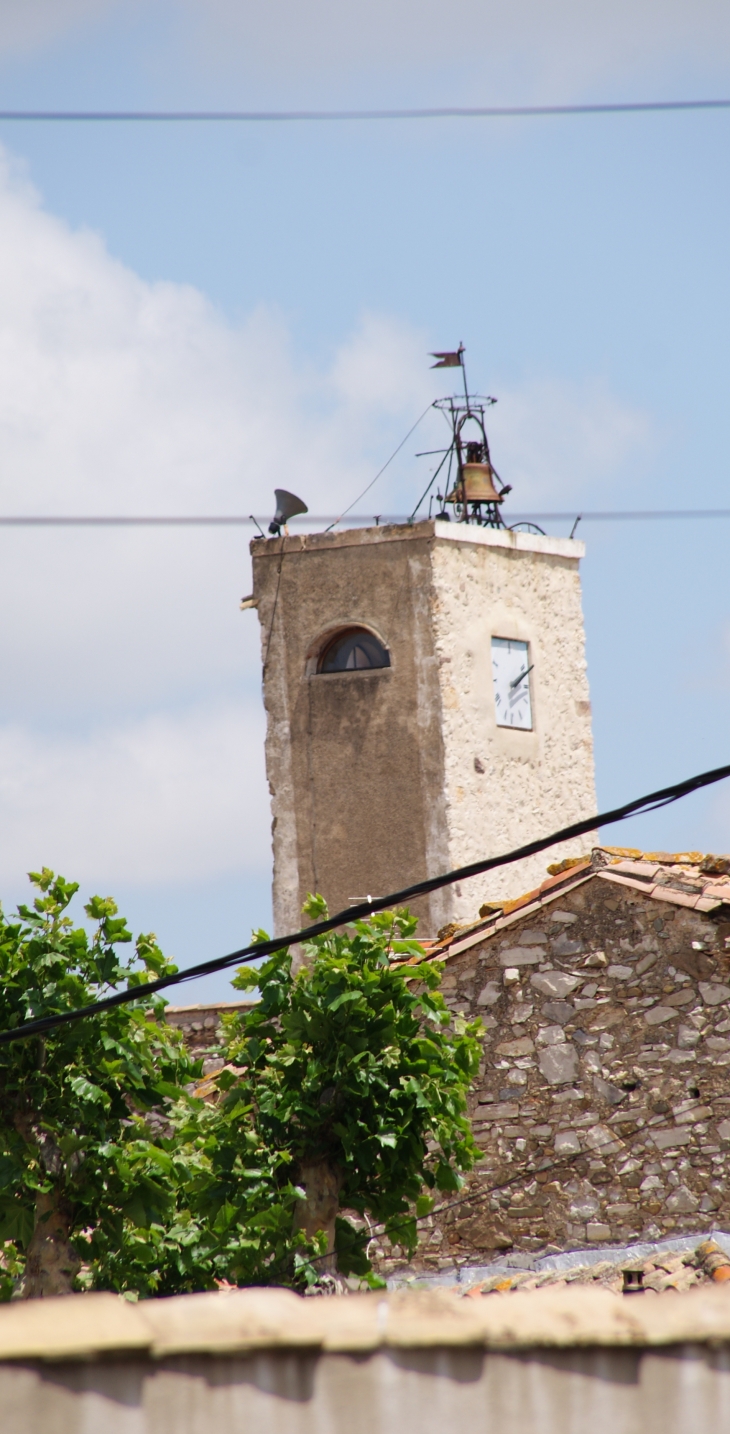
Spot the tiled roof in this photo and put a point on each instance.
(665, 1270)
(693, 879)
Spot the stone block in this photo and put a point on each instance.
(560, 1011)
(687, 1037)
(551, 1036)
(681, 998)
(520, 1013)
(713, 993)
(657, 1015)
(522, 1047)
(564, 946)
(559, 1064)
(608, 1092)
(596, 1231)
(723, 1130)
(567, 1142)
(620, 973)
(554, 983)
(682, 1202)
(603, 1140)
(668, 1139)
(489, 995)
(520, 956)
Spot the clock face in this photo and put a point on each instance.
(511, 669)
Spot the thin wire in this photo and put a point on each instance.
(82, 520)
(298, 116)
(382, 470)
(365, 909)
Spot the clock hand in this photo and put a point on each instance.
(518, 680)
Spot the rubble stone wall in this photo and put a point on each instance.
(603, 1106)
(201, 1028)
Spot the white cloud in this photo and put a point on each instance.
(129, 749)
(499, 51)
(558, 442)
(27, 25)
(165, 799)
(489, 52)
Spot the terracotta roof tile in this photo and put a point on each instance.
(677, 898)
(688, 879)
(637, 868)
(621, 880)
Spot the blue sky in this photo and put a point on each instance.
(187, 310)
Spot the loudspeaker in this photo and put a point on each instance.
(287, 506)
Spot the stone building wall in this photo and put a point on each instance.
(602, 1108)
(603, 1105)
(201, 1028)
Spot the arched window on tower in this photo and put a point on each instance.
(353, 649)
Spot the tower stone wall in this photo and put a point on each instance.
(382, 776)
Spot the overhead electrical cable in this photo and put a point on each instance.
(364, 909)
(222, 520)
(425, 112)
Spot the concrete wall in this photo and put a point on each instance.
(546, 1363)
(372, 774)
(616, 1391)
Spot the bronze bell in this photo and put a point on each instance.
(478, 481)
(477, 485)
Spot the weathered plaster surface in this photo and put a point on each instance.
(354, 761)
(532, 782)
(372, 774)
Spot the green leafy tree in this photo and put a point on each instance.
(90, 1174)
(344, 1091)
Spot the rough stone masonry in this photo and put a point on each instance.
(603, 1106)
(603, 1103)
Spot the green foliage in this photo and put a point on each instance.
(354, 1065)
(75, 1105)
(350, 1065)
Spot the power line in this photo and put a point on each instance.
(223, 520)
(360, 912)
(624, 515)
(329, 116)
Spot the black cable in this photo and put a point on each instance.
(49, 520)
(379, 903)
(297, 116)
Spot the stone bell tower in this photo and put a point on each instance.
(427, 704)
(426, 694)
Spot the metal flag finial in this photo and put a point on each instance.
(451, 359)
